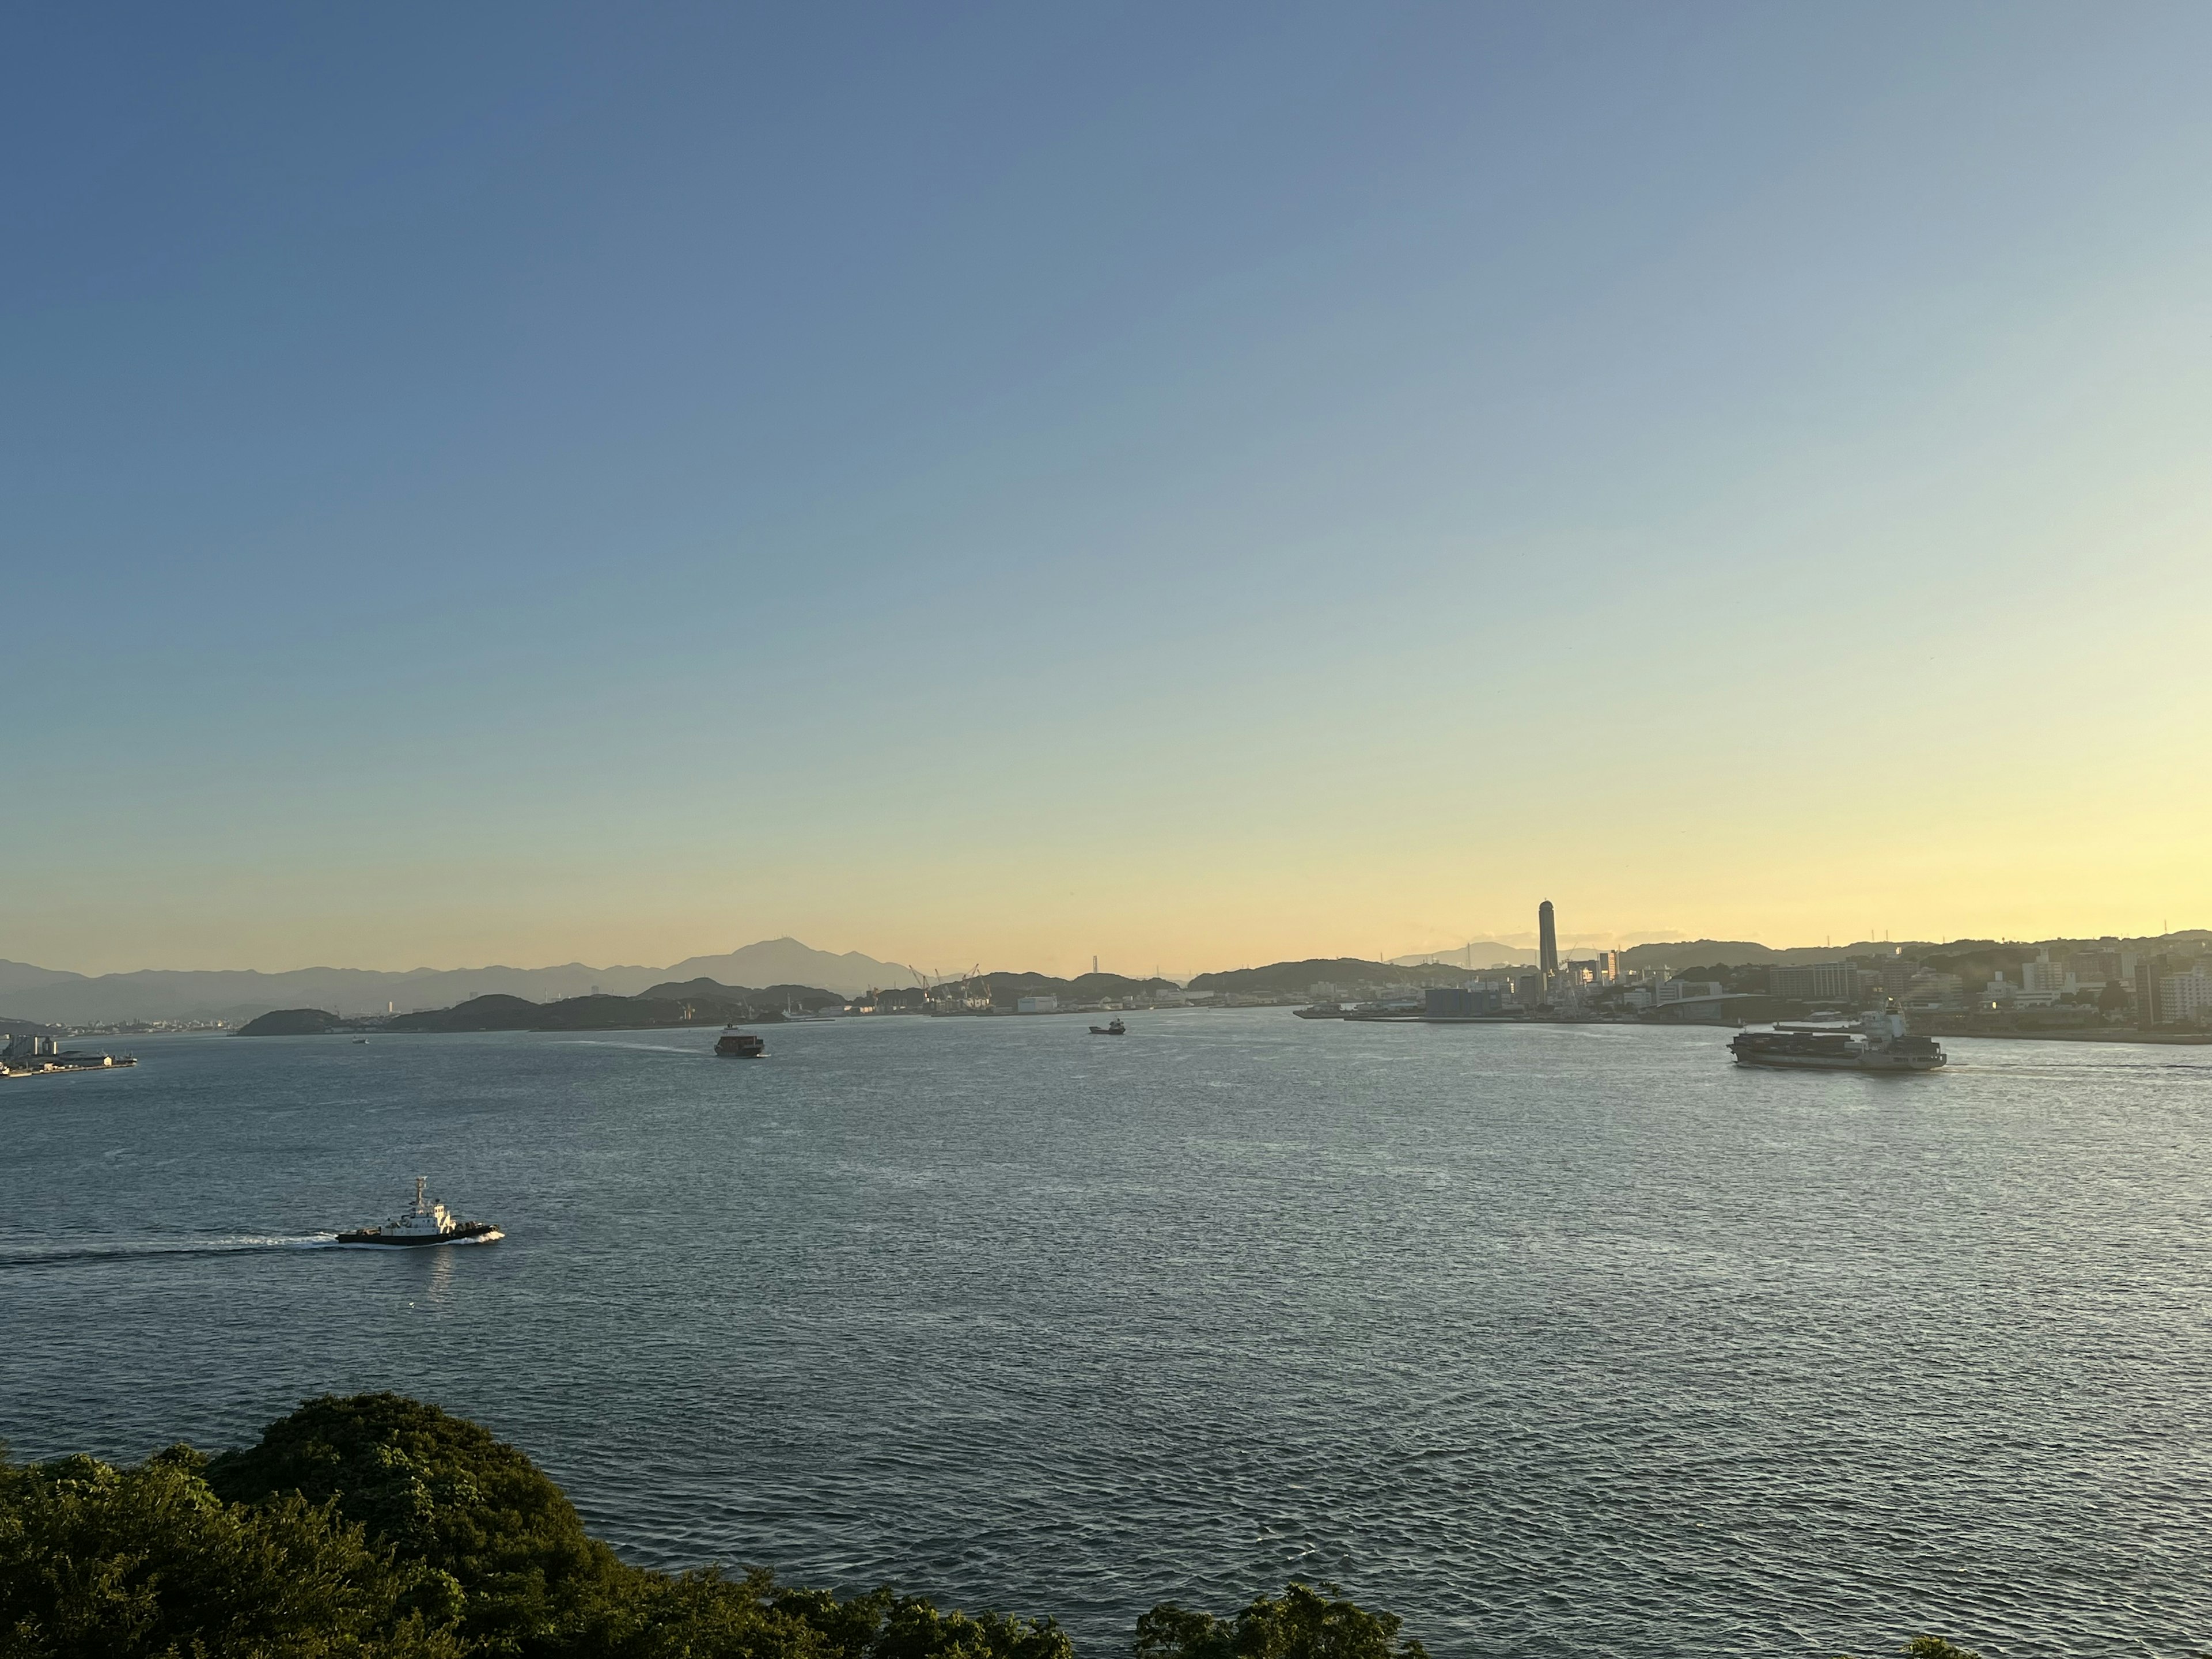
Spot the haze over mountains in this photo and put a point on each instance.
(49, 995)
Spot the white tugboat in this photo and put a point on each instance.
(425, 1223)
(1879, 1042)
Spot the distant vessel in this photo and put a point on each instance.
(742, 1045)
(1879, 1042)
(425, 1223)
(1320, 1010)
(1111, 1028)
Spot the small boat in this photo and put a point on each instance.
(1320, 1010)
(1111, 1028)
(424, 1223)
(739, 1045)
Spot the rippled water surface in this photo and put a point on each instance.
(1557, 1341)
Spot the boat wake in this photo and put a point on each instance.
(640, 1047)
(139, 1250)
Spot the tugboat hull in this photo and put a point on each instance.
(472, 1232)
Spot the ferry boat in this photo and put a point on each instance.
(1320, 1010)
(739, 1045)
(425, 1223)
(1879, 1042)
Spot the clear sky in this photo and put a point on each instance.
(1192, 484)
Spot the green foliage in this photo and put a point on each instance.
(527, 1581)
(441, 1491)
(1935, 1647)
(882, 1625)
(99, 1563)
(1302, 1623)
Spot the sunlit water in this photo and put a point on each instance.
(1557, 1341)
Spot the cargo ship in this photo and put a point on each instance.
(1879, 1042)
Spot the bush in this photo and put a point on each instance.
(442, 1492)
(1302, 1623)
(99, 1563)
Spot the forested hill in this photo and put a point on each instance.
(1298, 979)
(693, 1002)
(1007, 988)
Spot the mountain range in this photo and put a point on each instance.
(66, 998)
(50, 996)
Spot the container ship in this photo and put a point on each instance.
(1879, 1042)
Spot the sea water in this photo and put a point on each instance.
(1556, 1341)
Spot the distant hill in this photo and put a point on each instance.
(12, 1027)
(58, 998)
(291, 1021)
(1009, 988)
(768, 999)
(1298, 979)
(787, 962)
(1484, 953)
(1736, 953)
(691, 1008)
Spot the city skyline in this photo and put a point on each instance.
(1010, 486)
(1572, 944)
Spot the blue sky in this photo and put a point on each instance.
(1188, 484)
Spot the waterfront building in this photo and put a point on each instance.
(1814, 981)
(2186, 998)
(1931, 991)
(1044, 1005)
(2092, 970)
(2149, 970)
(1462, 1002)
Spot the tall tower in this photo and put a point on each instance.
(1548, 939)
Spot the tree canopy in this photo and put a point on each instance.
(99, 1563)
(1304, 1622)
